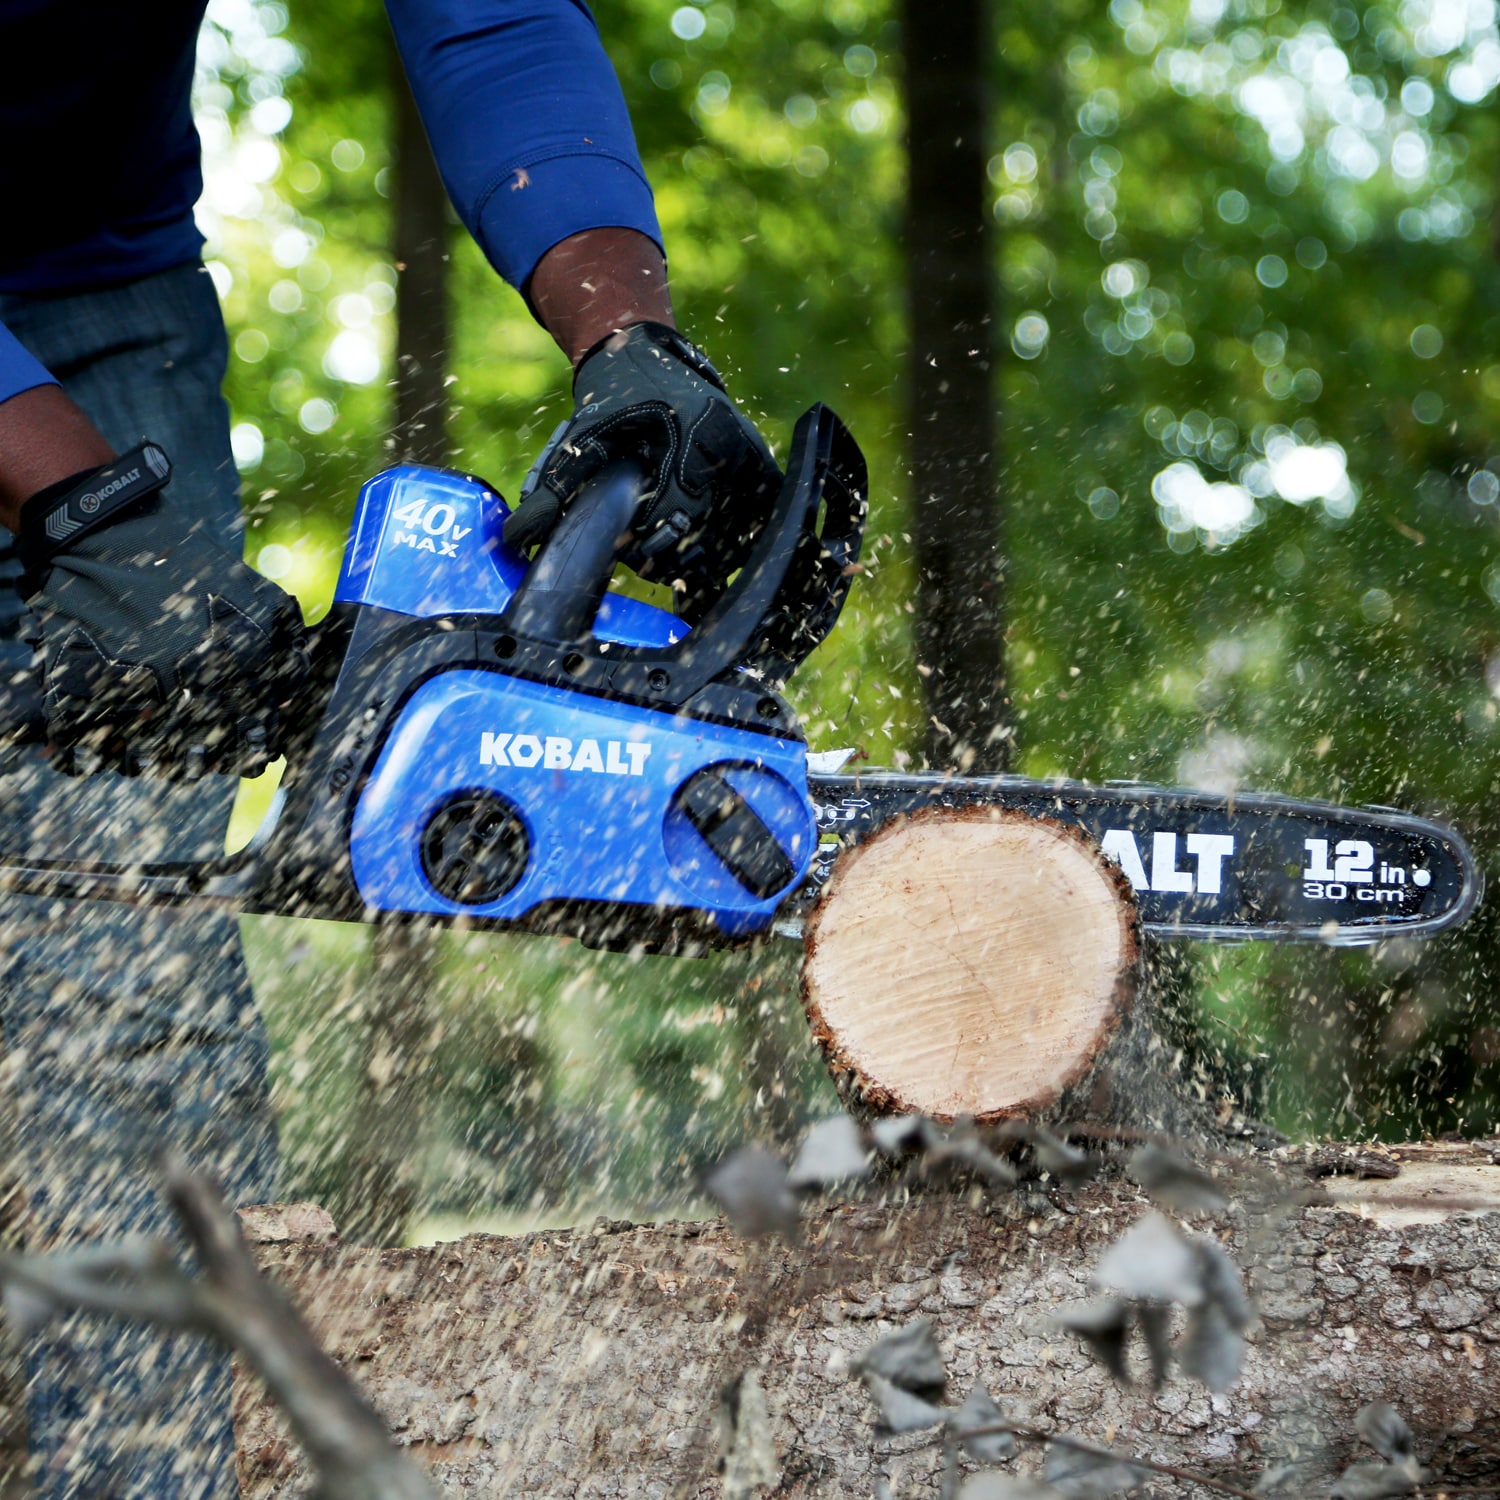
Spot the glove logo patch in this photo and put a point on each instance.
(91, 502)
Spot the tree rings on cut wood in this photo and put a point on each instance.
(969, 961)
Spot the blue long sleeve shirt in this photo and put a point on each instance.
(101, 168)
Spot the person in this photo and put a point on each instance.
(136, 641)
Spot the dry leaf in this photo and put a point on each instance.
(1104, 1325)
(751, 1187)
(1082, 1475)
(1385, 1430)
(911, 1357)
(901, 1410)
(1174, 1182)
(981, 1411)
(1152, 1262)
(1211, 1350)
(832, 1151)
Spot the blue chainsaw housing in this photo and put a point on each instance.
(592, 788)
(509, 742)
(427, 543)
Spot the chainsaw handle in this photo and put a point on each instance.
(564, 586)
(780, 604)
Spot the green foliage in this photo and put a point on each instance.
(561, 1080)
(1247, 276)
(1255, 231)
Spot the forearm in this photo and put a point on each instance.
(527, 122)
(595, 282)
(44, 437)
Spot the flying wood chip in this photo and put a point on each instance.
(1175, 1182)
(832, 1151)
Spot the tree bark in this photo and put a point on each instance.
(957, 526)
(590, 1362)
(971, 962)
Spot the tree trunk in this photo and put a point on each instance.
(971, 962)
(420, 242)
(382, 1183)
(956, 519)
(590, 1362)
(382, 1186)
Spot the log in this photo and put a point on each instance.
(590, 1362)
(970, 961)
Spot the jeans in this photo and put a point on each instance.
(126, 1031)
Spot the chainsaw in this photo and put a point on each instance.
(492, 743)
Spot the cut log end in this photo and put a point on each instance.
(970, 961)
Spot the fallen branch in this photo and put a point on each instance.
(347, 1445)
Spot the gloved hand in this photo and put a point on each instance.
(648, 394)
(155, 647)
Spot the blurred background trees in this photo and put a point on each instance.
(1245, 357)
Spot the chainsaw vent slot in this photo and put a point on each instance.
(474, 848)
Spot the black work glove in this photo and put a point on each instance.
(646, 393)
(155, 647)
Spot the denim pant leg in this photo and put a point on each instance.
(130, 1031)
